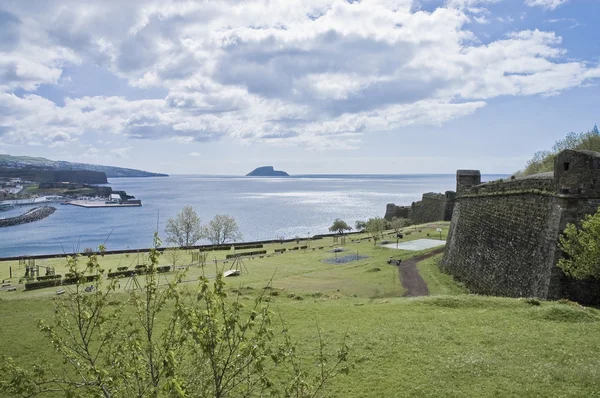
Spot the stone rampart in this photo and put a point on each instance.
(542, 184)
(503, 239)
(503, 244)
(393, 211)
(32, 215)
(432, 207)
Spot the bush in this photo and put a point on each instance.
(163, 268)
(42, 284)
(280, 250)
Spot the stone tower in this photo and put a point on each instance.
(577, 173)
(466, 179)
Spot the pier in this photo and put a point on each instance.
(100, 204)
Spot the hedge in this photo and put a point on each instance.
(253, 253)
(42, 284)
(163, 268)
(279, 250)
(121, 274)
(47, 277)
(248, 247)
(57, 282)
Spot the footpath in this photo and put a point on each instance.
(410, 278)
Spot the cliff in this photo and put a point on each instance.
(36, 174)
(267, 171)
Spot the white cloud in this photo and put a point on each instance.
(122, 152)
(195, 154)
(547, 4)
(318, 73)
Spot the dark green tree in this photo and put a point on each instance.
(581, 246)
(375, 227)
(340, 226)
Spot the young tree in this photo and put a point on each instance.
(360, 225)
(339, 226)
(184, 230)
(222, 229)
(375, 227)
(398, 223)
(174, 255)
(582, 248)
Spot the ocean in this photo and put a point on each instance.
(264, 208)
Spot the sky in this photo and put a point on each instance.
(307, 86)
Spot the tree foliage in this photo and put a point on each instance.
(339, 226)
(167, 341)
(375, 227)
(222, 229)
(543, 161)
(581, 247)
(398, 223)
(185, 229)
(360, 225)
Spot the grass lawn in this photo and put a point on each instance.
(450, 344)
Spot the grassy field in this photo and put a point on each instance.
(450, 344)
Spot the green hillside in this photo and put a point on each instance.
(9, 161)
(543, 161)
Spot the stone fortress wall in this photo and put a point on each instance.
(432, 207)
(503, 238)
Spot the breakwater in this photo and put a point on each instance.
(32, 215)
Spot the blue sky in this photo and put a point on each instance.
(308, 86)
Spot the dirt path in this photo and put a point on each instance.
(410, 278)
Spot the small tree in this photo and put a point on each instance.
(582, 248)
(339, 226)
(375, 227)
(184, 230)
(398, 223)
(360, 225)
(174, 255)
(222, 229)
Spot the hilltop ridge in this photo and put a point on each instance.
(18, 162)
(267, 171)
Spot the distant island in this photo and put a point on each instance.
(27, 162)
(267, 171)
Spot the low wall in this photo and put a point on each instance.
(32, 215)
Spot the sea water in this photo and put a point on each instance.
(264, 208)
